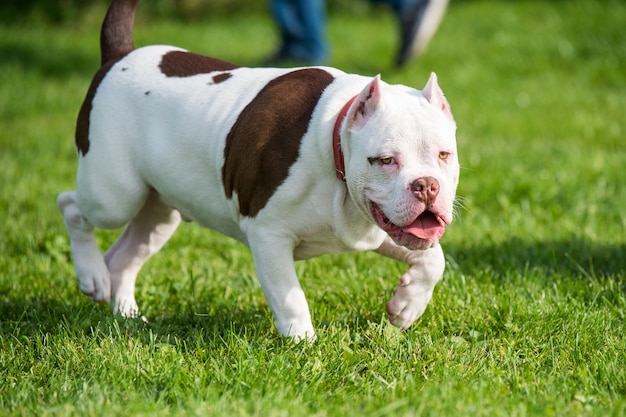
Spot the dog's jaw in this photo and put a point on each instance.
(423, 232)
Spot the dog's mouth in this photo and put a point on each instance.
(427, 226)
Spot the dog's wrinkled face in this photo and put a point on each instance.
(402, 164)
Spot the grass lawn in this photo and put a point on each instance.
(529, 319)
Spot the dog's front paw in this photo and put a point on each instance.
(408, 303)
(298, 330)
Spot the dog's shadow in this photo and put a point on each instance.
(35, 321)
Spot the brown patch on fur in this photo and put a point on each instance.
(82, 123)
(265, 140)
(187, 64)
(222, 77)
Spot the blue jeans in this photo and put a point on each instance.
(302, 26)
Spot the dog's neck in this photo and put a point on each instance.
(340, 166)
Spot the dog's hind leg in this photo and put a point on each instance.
(91, 271)
(149, 230)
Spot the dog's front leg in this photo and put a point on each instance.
(415, 289)
(274, 264)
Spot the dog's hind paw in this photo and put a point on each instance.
(126, 307)
(94, 280)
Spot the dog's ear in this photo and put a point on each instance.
(435, 96)
(365, 104)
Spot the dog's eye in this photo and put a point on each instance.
(386, 161)
(443, 155)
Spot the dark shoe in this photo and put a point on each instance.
(283, 59)
(418, 23)
(275, 59)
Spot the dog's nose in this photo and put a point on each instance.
(425, 190)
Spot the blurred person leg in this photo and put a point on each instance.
(302, 26)
(418, 21)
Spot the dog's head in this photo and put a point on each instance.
(401, 160)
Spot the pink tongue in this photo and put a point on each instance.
(426, 226)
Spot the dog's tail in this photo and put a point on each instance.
(116, 36)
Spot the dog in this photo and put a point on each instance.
(294, 163)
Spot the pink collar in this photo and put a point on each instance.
(340, 166)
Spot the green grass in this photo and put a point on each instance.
(529, 319)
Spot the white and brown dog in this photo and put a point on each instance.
(294, 163)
